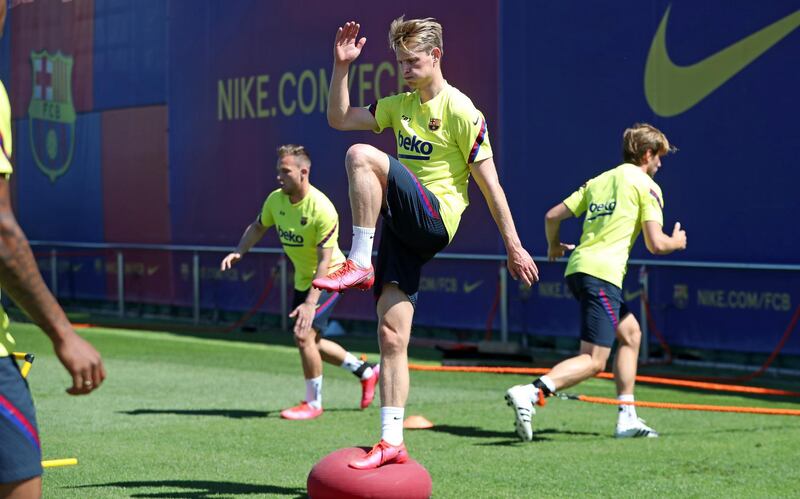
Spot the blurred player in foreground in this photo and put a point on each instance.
(20, 449)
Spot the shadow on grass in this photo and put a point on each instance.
(538, 436)
(469, 431)
(227, 413)
(201, 489)
(475, 432)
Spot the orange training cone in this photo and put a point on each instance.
(417, 423)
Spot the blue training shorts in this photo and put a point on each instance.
(412, 233)
(325, 304)
(602, 308)
(20, 452)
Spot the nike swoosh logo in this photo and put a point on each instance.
(470, 287)
(671, 89)
(631, 296)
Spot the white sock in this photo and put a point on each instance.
(351, 363)
(361, 250)
(314, 392)
(626, 412)
(392, 425)
(530, 392)
(548, 383)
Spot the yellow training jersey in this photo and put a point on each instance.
(437, 141)
(302, 228)
(616, 203)
(6, 340)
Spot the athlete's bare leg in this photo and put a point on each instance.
(309, 353)
(395, 313)
(367, 171)
(331, 352)
(591, 360)
(24, 489)
(629, 337)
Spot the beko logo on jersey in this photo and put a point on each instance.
(418, 149)
(601, 209)
(289, 238)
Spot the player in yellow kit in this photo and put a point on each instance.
(308, 228)
(20, 450)
(441, 139)
(618, 204)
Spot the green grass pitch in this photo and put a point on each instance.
(181, 416)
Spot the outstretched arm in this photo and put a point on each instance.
(22, 281)
(552, 227)
(341, 115)
(520, 263)
(254, 232)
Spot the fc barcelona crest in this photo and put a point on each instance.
(680, 295)
(434, 124)
(303, 220)
(51, 113)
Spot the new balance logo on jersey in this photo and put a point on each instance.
(602, 209)
(289, 238)
(417, 149)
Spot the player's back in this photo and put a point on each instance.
(615, 203)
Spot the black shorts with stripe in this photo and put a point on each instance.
(20, 451)
(602, 308)
(412, 233)
(325, 304)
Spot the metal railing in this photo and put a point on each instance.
(284, 285)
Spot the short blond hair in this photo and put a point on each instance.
(639, 139)
(415, 35)
(293, 150)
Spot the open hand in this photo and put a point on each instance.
(229, 261)
(522, 266)
(347, 46)
(554, 252)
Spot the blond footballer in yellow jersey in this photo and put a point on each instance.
(308, 228)
(420, 195)
(438, 140)
(617, 204)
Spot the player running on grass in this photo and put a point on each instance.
(619, 204)
(421, 194)
(308, 227)
(20, 450)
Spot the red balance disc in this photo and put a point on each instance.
(332, 478)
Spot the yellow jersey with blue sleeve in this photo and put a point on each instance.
(303, 227)
(616, 203)
(6, 340)
(437, 140)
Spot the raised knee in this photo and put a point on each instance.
(357, 156)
